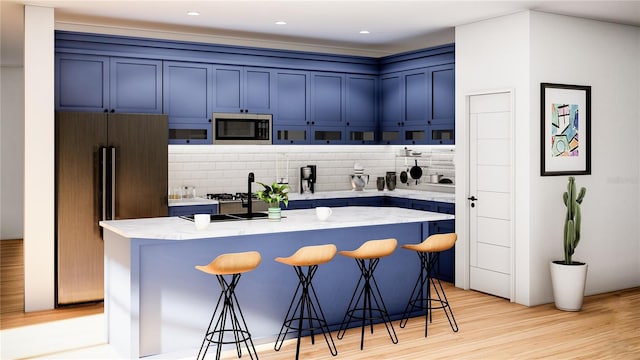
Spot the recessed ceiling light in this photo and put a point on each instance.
(281, 22)
(193, 13)
(364, 32)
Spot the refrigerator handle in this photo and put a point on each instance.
(103, 183)
(113, 183)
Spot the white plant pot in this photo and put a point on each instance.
(568, 285)
(275, 214)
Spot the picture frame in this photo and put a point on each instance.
(565, 129)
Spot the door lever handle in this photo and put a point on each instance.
(472, 198)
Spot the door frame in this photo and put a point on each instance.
(467, 209)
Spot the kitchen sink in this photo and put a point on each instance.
(254, 215)
(231, 217)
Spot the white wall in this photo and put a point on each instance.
(39, 158)
(11, 151)
(493, 55)
(604, 56)
(515, 52)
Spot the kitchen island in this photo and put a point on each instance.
(156, 301)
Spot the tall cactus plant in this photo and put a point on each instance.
(572, 219)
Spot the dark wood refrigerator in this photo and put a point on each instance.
(108, 166)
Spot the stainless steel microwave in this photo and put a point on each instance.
(242, 128)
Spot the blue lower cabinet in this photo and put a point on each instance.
(423, 205)
(367, 201)
(446, 263)
(192, 209)
(397, 202)
(332, 202)
(299, 204)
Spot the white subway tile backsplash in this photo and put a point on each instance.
(224, 168)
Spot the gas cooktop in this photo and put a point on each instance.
(231, 197)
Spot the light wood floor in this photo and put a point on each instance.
(608, 327)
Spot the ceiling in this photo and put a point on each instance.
(331, 26)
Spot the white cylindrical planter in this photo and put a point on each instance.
(568, 285)
(275, 214)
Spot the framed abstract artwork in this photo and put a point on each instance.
(565, 135)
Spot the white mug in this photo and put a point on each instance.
(202, 221)
(323, 213)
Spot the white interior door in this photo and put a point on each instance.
(490, 193)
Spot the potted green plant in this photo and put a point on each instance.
(274, 195)
(568, 277)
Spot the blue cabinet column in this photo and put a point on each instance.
(441, 122)
(188, 101)
(292, 113)
(327, 108)
(362, 109)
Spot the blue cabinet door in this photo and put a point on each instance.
(258, 90)
(441, 124)
(135, 86)
(188, 92)
(228, 95)
(187, 100)
(361, 100)
(416, 98)
(328, 99)
(82, 83)
(243, 89)
(292, 98)
(361, 109)
(291, 119)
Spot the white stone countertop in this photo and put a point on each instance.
(176, 228)
(400, 193)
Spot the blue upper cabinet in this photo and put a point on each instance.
(361, 109)
(314, 98)
(243, 89)
(99, 83)
(135, 86)
(328, 95)
(292, 113)
(441, 124)
(188, 101)
(82, 82)
(418, 106)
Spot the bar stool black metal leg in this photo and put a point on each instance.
(421, 296)
(230, 320)
(307, 303)
(367, 293)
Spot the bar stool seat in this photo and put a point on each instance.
(366, 303)
(230, 320)
(422, 297)
(307, 308)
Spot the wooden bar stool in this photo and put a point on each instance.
(229, 321)
(422, 297)
(361, 307)
(307, 308)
